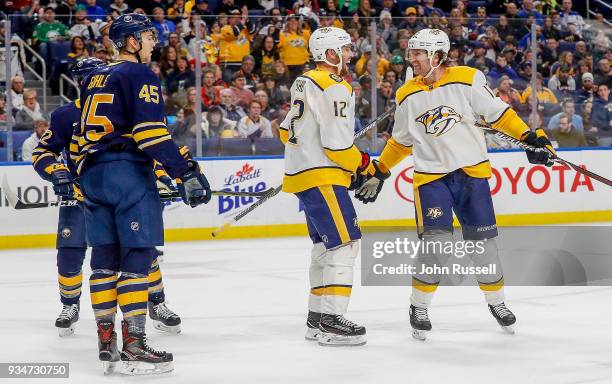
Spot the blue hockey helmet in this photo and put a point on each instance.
(131, 24)
(82, 68)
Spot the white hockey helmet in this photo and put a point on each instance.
(326, 38)
(432, 41)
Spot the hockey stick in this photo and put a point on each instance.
(277, 190)
(16, 203)
(552, 155)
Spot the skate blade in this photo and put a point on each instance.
(312, 334)
(419, 334)
(64, 332)
(176, 329)
(329, 339)
(109, 367)
(509, 329)
(136, 368)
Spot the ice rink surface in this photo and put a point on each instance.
(243, 306)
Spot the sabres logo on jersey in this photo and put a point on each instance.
(439, 120)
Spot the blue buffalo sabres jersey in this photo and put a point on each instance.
(123, 109)
(57, 141)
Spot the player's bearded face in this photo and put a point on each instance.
(347, 55)
(419, 61)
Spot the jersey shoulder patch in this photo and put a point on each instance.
(409, 88)
(459, 74)
(324, 79)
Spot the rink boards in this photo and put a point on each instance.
(523, 195)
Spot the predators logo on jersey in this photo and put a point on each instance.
(439, 120)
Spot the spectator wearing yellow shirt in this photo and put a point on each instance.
(234, 43)
(293, 46)
(547, 101)
(363, 64)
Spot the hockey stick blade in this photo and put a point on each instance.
(176, 196)
(241, 214)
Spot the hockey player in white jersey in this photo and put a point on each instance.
(320, 160)
(435, 121)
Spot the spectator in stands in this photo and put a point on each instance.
(247, 68)
(2, 107)
(391, 77)
(550, 54)
(428, 8)
(293, 46)
(242, 96)
(176, 10)
(168, 60)
(265, 54)
(281, 75)
(571, 35)
(480, 23)
(384, 100)
(402, 42)
(48, 30)
(184, 129)
(171, 107)
(218, 126)
(410, 21)
(83, 27)
(504, 29)
(78, 50)
(603, 73)
(569, 16)
(549, 31)
(567, 135)
(190, 105)
(386, 29)
(580, 51)
(180, 78)
(601, 115)
(501, 68)
(254, 125)
(565, 58)
(121, 7)
(365, 11)
(230, 109)
(568, 107)
(235, 42)
(210, 93)
(267, 110)
(562, 83)
(275, 95)
(546, 98)
(95, 12)
(101, 53)
(39, 126)
(17, 88)
(26, 116)
(479, 59)
(508, 94)
(527, 9)
(588, 89)
(164, 27)
(202, 11)
(512, 15)
(66, 11)
(456, 37)
(174, 39)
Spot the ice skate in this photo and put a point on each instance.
(419, 321)
(312, 326)
(504, 317)
(66, 321)
(107, 346)
(164, 319)
(336, 330)
(139, 358)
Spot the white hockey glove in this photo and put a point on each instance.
(368, 192)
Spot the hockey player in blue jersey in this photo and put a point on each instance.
(71, 243)
(122, 131)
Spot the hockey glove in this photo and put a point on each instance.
(165, 186)
(194, 187)
(62, 181)
(369, 191)
(545, 150)
(360, 175)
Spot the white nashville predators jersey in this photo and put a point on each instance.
(437, 122)
(318, 132)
